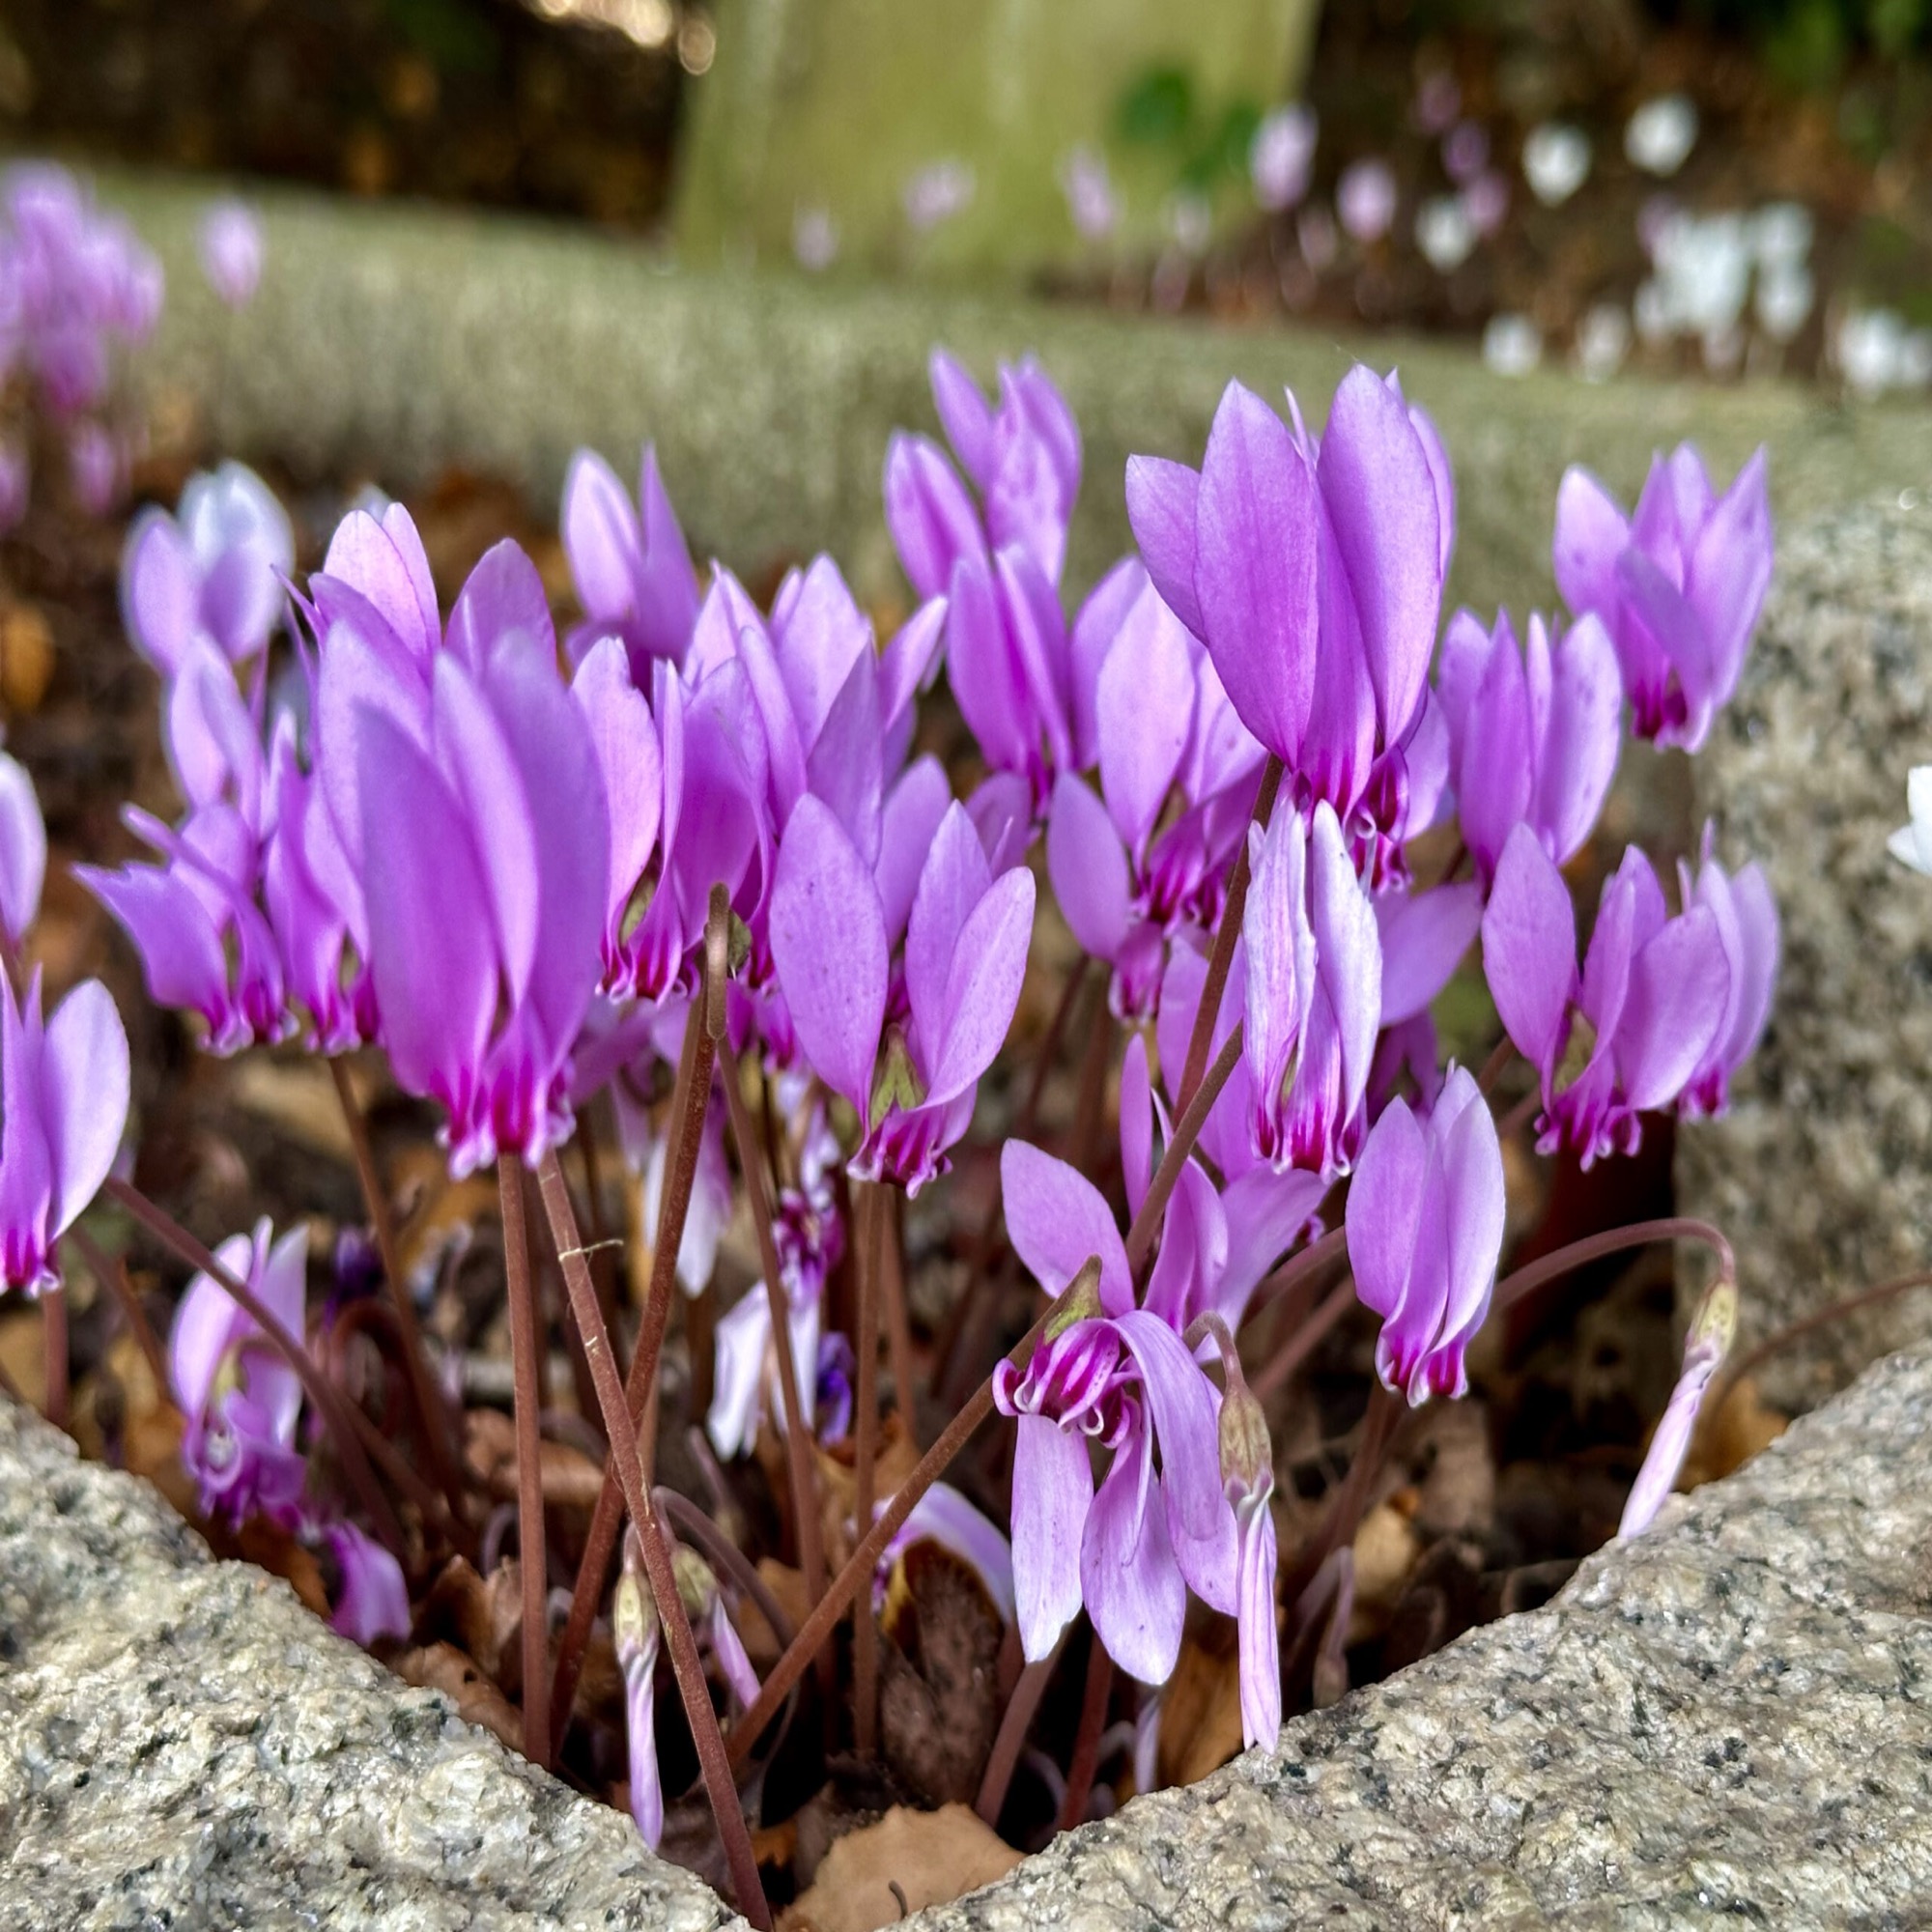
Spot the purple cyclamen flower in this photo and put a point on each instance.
(373, 1601)
(965, 956)
(1315, 579)
(1679, 584)
(1247, 1481)
(1365, 199)
(629, 563)
(1534, 732)
(1465, 151)
(23, 851)
(943, 1515)
(1314, 993)
(214, 570)
(1424, 1233)
(1092, 204)
(63, 1088)
(1705, 1348)
(1121, 1377)
(1748, 928)
(238, 1395)
(1628, 1032)
(484, 861)
(635, 1626)
(97, 466)
(931, 516)
(1280, 155)
(230, 251)
(1023, 457)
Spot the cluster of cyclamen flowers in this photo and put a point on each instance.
(500, 857)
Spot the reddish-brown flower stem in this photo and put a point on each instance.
(686, 1665)
(437, 1426)
(857, 1568)
(899, 1317)
(1015, 1722)
(865, 1453)
(53, 1349)
(1793, 1331)
(689, 1100)
(1086, 1758)
(1300, 1345)
(1579, 1254)
(1186, 1131)
(1221, 959)
(112, 1275)
(533, 1545)
(334, 1412)
(1500, 1056)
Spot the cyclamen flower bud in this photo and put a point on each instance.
(635, 1627)
(1247, 1480)
(1705, 1348)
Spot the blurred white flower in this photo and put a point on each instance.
(1785, 294)
(1190, 219)
(814, 238)
(1781, 232)
(1512, 345)
(1877, 352)
(1280, 156)
(1444, 233)
(1662, 133)
(1315, 233)
(1555, 162)
(1703, 273)
(1091, 200)
(1365, 199)
(937, 192)
(231, 250)
(1602, 341)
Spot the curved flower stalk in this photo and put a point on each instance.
(23, 851)
(1149, 711)
(630, 564)
(965, 956)
(1314, 993)
(1425, 1234)
(1747, 930)
(1628, 1032)
(63, 1088)
(1314, 576)
(1705, 1346)
(1679, 583)
(212, 570)
(1534, 732)
(484, 863)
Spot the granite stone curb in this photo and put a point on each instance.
(1821, 1173)
(393, 340)
(1723, 1720)
(183, 1744)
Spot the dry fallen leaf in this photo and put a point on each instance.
(787, 1585)
(441, 1667)
(938, 1705)
(897, 1458)
(22, 1352)
(296, 1097)
(1386, 1549)
(270, 1548)
(931, 1857)
(1201, 1711)
(26, 657)
(571, 1480)
(480, 1616)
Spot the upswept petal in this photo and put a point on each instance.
(984, 986)
(1679, 985)
(23, 849)
(821, 634)
(1145, 708)
(1591, 534)
(1258, 538)
(1577, 757)
(503, 605)
(828, 938)
(1162, 501)
(952, 881)
(1096, 625)
(161, 591)
(1058, 1221)
(83, 1096)
(909, 825)
(843, 767)
(1529, 948)
(1089, 868)
(624, 738)
(1423, 937)
(1280, 947)
(601, 537)
(965, 414)
(1729, 572)
(929, 513)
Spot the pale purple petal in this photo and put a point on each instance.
(1058, 1221)
(1145, 708)
(984, 986)
(601, 537)
(1129, 1574)
(1087, 867)
(1529, 948)
(953, 879)
(23, 849)
(1162, 501)
(1591, 534)
(1052, 1497)
(83, 1096)
(1424, 937)
(1679, 985)
(910, 822)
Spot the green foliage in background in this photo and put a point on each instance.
(1161, 110)
(1806, 41)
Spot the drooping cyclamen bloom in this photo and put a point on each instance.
(1748, 928)
(230, 251)
(629, 563)
(635, 1626)
(1679, 584)
(63, 1088)
(214, 570)
(372, 1599)
(1314, 993)
(23, 851)
(965, 956)
(1626, 1034)
(238, 1395)
(1247, 1480)
(1424, 1233)
(484, 863)
(1121, 1378)
(1315, 579)
(1533, 731)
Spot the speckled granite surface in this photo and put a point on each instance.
(1724, 1723)
(1822, 1174)
(184, 1746)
